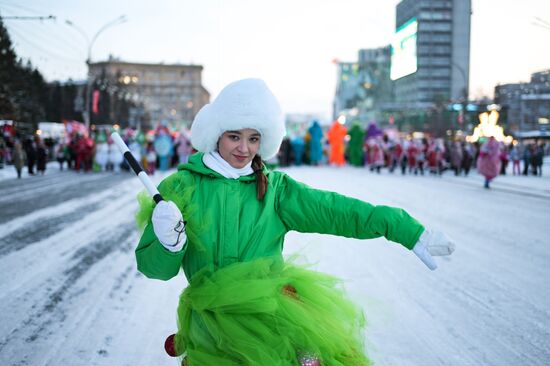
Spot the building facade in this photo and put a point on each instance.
(374, 64)
(364, 88)
(172, 93)
(508, 96)
(349, 90)
(430, 54)
(527, 105)
(442, 50)
(417, 80)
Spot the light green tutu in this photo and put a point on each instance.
(267, 312)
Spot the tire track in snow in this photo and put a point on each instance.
(31, 183)
(40, 268)
(84, 258)
(73, 276)
(76, 204)
(19, 239)
(39, 200)
(42, 316)
(40, 185)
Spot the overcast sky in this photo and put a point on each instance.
(289, 43)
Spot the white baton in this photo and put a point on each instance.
(143, 177)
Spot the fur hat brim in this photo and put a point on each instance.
(242, 104)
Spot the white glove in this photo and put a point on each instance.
(433, 242)
(169, 226)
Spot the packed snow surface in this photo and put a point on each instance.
(70, 293)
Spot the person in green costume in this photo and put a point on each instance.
(224, 222)
(356, 146)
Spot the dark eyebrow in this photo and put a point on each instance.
(257, 134)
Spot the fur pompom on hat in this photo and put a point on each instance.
(246, 103)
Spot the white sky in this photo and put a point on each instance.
(288, 43)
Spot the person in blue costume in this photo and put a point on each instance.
(316, 149)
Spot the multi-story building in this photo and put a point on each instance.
(430, 53)
(349, 91)
(374, 64)
(364, 87)
(165, 92)
(527, 105)
(508, 96)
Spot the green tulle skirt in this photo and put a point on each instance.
(268, 312)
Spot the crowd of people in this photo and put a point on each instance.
(31, 151)
(376, 150)
(82, 151)
(372, 148)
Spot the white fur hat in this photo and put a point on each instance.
(242, 104)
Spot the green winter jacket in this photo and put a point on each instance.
(226, 223)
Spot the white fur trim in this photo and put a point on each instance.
(242, 104)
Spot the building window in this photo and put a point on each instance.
(430, 15)
(434, 27)
(424, 38)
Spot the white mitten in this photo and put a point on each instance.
(169, 226)
(433, 242)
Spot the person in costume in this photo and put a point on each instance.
(135, 147)
(18, 156)
(102, 151)
(184, 146)
(376, 154)
(164, 146)
(41, 155)
(298, 145)
(315, 145)
(115, 159)
(336, 136)
(488, 162)
(413, 151)
(150, 159)
(223, 222)
(355, 146)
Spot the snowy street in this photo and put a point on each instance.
(70, 293)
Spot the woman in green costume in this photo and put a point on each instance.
(224, 222)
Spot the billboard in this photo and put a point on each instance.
(403, 50)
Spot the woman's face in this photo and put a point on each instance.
(239, 147)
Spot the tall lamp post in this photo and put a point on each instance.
(464, 90)
(90, 42)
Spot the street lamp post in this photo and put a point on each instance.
(464, 91)
(90, 42)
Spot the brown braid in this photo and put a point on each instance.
(261, 178)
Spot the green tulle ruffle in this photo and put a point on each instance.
(267, 312)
